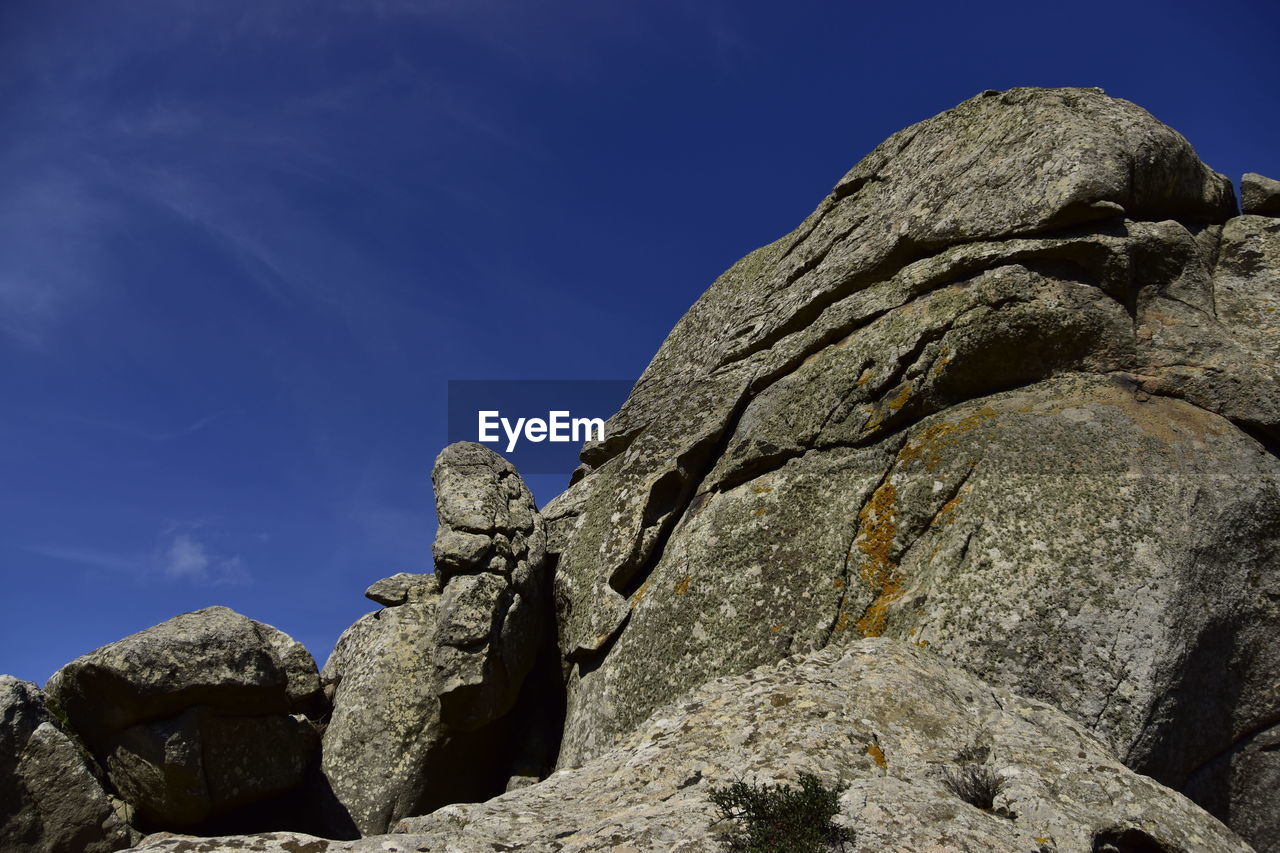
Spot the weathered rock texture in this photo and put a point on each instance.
(422, 689)
(1259, 194)
(51, 799)
(1011, 394)
(885, 717)
(196, 717)
(490, 551)
(1010, 391)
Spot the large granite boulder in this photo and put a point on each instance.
(423, 690)
(51, 799)
(886, 718)
(1013, 391)
(196, 717)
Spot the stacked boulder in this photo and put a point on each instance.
(195, 718)
(423, 690)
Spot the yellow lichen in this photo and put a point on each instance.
(682, 585)
(932, 444)
(877, 755)
(639, 594)
(901, 400)
(944, 515)
(877, 527)
(941, 364)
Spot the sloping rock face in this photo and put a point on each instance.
(1011, 392)
(423, 689)
(51, 800)
(196, 717)
(884, 716)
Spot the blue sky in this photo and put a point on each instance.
(244, 245)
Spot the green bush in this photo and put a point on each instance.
(780, 818)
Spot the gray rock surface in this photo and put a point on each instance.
(1259, 194)
(196, 716)
(51, 800)
(421, 689)
(1011, 390)
(490, 552)
(886, 717)
(386, 715)
(402, 588)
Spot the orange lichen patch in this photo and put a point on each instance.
(775, 628)
(945, 515)
(865, 377)
(842, 621)
(933, 443)
(877, 527)
(762, 490)
(639, 594)
(901, 400)
(941, 364)
(877, 755)
(760, 511)
(682, 585)
(837, 583)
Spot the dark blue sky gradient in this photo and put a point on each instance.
(243, 245)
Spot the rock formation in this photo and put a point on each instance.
(51, 799)
(1009, 391)
(1259, 194)
(886, 717)
(421, 689)
(197, 717)
(977, 466)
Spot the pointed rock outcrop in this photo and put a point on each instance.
(423, 691)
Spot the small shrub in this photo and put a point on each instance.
(780, 818)
(976, 785)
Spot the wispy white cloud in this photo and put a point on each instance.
(143, 432)
(187, 558)
(89, 557)
(53, 224)
(179, 557)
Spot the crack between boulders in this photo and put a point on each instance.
(1253, 732)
